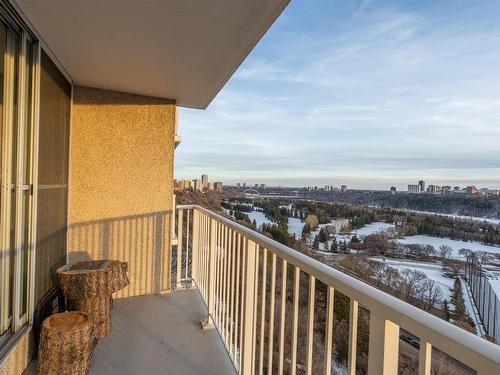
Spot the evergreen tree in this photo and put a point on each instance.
(316, 243)
(446, 310)
(334, 246)
(344, 247)
(306, 231)
(326, 249)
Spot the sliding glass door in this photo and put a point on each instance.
(17, 71)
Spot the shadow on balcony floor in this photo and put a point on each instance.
(160, 335)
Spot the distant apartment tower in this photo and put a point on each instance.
(343, 188)
(471, 189)
(413, 189)
(421, 185)
(244, 184)
(238, 185)
(218, 186)
(393, 190)
(330, 187)
(183, 184)
(198, 185)
(433, 189)
(211, 186)
(204, 180)
(262, 186)
(256, 186)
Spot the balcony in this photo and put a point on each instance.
(160, 334)
(266, 308)
(275, 310)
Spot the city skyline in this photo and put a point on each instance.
(370, 93)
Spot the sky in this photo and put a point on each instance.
(367, 93)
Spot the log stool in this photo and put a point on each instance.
(89, 285)
(66, 344)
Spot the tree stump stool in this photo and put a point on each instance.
(89, 285)
(66, 344)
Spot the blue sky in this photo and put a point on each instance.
(367, 93)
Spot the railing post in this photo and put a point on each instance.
(383, 352)
(249, 314)
(208, 323)
(180, 224)
(425, 358)
(195, 243)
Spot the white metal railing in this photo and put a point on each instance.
(235, 271)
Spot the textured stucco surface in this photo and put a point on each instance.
(17, 360)
(121, 175)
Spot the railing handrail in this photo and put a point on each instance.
(443, 335)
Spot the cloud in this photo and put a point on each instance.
(381, 86)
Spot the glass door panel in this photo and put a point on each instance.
(16, 76)
(5, 297)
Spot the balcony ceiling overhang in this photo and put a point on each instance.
(184, 50)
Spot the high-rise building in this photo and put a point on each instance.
(414, 189)
(238, 185)
(218, 186)
(393, 189)
(204, 180)
(421, 185)
(434, 189)
(471, 189)
(262, 186)
(211, 186)
(198, 185)
(343, 188)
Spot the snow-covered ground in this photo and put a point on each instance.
(372, 228)
(295, 226)
(361, 233)
(431, 270)
(454, 244)
(259, 218)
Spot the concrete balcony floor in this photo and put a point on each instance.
(160, 335)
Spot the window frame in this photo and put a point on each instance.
(12, 319)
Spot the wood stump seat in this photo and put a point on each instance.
(88, 286)
(66, 344)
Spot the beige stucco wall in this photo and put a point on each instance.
(17, 359)
(121, 176)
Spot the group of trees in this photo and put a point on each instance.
(236, 206)
(406, 223)
(479, 206)
(458, 229)
(459, 314)
(410, 285)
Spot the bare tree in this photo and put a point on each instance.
(452, 268)
(430, 294)
(483, 257)
(399, 250)
(379, 270)
(410, 283)
(391, 277)
(465, 252)
(445, 251)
